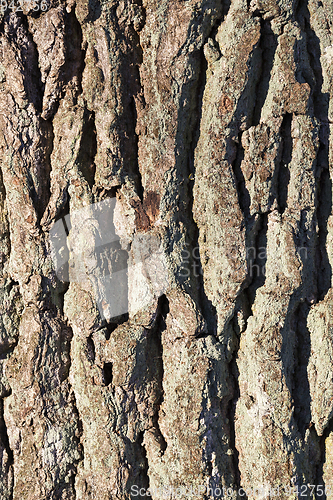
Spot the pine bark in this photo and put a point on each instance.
(208, 124)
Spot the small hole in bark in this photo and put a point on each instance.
(107, 371)
(91, 349)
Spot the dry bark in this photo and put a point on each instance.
(210, 124)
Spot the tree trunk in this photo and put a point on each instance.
(166, 249)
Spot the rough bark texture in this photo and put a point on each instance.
(210, 122)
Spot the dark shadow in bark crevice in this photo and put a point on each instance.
(126, 113)
(324, 183)
(244, 198)
(78, 438)
(295, 353)
(15, 23)
(284, 173)
(324, 211)
(267, 45)
(108, 373)
(191, 273)
(301, 390)
(88, 148)
(155, 364)
(95, 10)
(231, 412)
(75, 55)
(149, 368)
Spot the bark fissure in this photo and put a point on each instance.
(267, 47)
(156, 332)
(284, 173)
(301, 389)
(193, 252)
(78, 436)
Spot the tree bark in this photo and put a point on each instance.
(166, 249)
